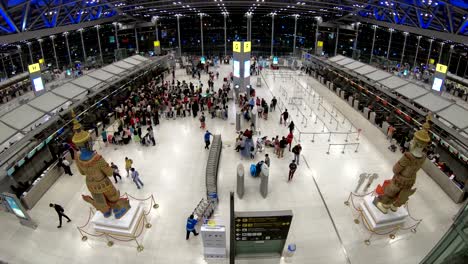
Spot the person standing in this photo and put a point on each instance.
(292, 170)
(274, 101)
(104, 136)
(191, 223)
(202, 121)
(65, 165)
(128, 165)
(282, 144)
(136, 178)
(291, 127)
(289, 139)
(297, 152)
(60, 211)
(115, 172)
(207, 139)
(267, 160)
(285, 116)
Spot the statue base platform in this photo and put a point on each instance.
(378, 220)
(125, 226)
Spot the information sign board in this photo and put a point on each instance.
(236, 46)
(247, 46)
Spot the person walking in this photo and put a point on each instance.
(60, 211)
(291, 127)
(282, 144)
(128, 165)
(276, 144)
(267, 160)
(289, 139)
(191, 223)
(115, 172)
(274, 101)
(297, 152)
(292, 170)
(65, 165)
(202, 121)
(207, 139)
(285, 116)
(151, 135)
(136, 178)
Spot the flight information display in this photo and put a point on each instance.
(236, 69)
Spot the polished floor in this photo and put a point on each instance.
(174, 172)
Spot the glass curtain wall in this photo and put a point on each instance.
(168, 33)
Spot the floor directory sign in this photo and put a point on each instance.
(13, 205)
(36, 78)
(439, 77)
(260, 234)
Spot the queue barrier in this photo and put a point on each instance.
(344, 146)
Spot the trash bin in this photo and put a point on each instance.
(290, 252)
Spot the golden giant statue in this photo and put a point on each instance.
(398, 191)
(105, 197)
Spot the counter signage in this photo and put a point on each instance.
(247, 46)
(262, 228)
(236, 46)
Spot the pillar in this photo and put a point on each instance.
(82, 45)
(249, 26)
(373, 42)
(458, 64)
(178, 35)
(21, 56)
(441, 51)
(315, 39)
(55, 53)
(116, 35)
(430, 50)
(356, 39)
(450, 56)
(99, 43)
(336, 40)
(68, 49)
(389, 42)
(30, 52)
(272, 32)
(156, 28)
(136, 39)
(294, 38)
(4, 68)
(404, 47)
(201, 33)
(225, 35)
(417, 50)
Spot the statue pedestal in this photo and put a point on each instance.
(380, 221)
(125, 226)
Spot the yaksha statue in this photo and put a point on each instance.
(105, 197)
(398, 191)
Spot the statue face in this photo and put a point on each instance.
(417, 148)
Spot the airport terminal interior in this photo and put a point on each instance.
(234, 131)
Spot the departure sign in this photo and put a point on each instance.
(259, 228)
(441, 68)
(319, 43)
(34, 68)
(247, 46)
(236, 46)
(157, 43)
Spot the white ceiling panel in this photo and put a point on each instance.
(113, 69)
(133, 61)
(21, 117)
(456, 115)
(124, 65)
(336, 58)
(393, 82)
(47, 102)
(139, 57)
(432, 102)
(69, 90)
(354, 65)
(411, 91)
(345, 61)
(86, 82)
(365, 70)
(378, 75)
(101, 75)
(6, 132)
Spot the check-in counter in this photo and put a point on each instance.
(356, 104)
(372, 117)
(384, 127)
(350, 100)
(42, 184)
(365, 113)
(338, 91)
(449, 187)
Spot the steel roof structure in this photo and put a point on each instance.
(427, 17)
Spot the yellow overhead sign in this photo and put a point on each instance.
(41, 61)
(319, 43)
(34, 68)
(247, 46)
(157, 43)
(236, 46)
(441, 68)
(431, 61)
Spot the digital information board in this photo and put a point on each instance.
(261, 233)
(13, 205)
(439, 77)
(36, 78)
(237, 69)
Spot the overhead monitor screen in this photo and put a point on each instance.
(275, 60)
(38, 84)
(246, 68)
(236, 69)
(202, 60)
(437, 85)
(10, 171)
(20, 162)
(14, 207)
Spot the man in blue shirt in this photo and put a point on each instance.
(191, 223)
(207, 139)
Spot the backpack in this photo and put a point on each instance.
(60, 208)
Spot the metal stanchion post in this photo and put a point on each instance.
(344, 147)
(323, 127)
(358, 134)
(316, 117)
(337, 123)
(347, 135)
(351, 126)
(331, 118)
(313, 137)
(329, 136)
(328, 151)
(344, 118)
(357, 148)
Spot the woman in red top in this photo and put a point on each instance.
(289, 138)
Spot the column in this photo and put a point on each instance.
(116, 35)
(249, 25)
(404, 47)
(55, 53)
(99, 43)
(225, 35)
(30, 52)
(82, 45)
(155, 20)
(316, 35)
(417, 50)
(294, 37)
(355, 41)
(136, 40)
(450, 56)
(5, 71)
(336, 40)
(430, 50)
(21, 56)
(373, 42)
(68, 49)
(42, 51)
(201, 33)
(272, 31)
(178, 35)
(389, 41)
(441, 51)
(458, 64)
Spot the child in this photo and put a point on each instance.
(202, 121)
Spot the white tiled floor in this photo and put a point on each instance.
(174, 172)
